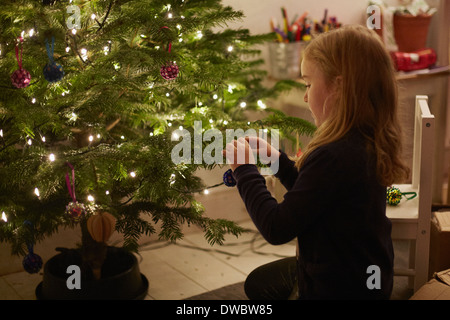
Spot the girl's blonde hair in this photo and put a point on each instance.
(365, 98)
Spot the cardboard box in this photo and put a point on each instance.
(439, 242)
(435, 289)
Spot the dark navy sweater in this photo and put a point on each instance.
(337, 211)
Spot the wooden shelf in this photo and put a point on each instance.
(401, 75)
(424, 73)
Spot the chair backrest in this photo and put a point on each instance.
(422, 174)
(423, 144)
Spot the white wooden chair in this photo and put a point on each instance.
(411, 219)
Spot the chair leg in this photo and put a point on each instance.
(411, 262)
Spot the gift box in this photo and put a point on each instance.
(440, 242)
(409, 61)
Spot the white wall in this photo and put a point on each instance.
(259, 12)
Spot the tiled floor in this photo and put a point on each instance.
(179, 271)
(192, 267)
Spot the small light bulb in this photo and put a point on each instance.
(91, 138)
(90, 198)
(36, 192)
(206, 191)
(4, 216)
(93, 16)
(51, 157)
(243, 104)
(230, 48)
(74, 31)
(261, 104)
(73, 117)
(133, 174)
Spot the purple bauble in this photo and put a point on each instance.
(32, 263)
(228, 178)
(53, 72)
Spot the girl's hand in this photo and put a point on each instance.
(263, 149)
(239, 153)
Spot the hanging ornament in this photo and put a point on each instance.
(170, 70)
(101, 226)
(32, 262)
(228, 178)
(20, 78)
(75, 210)
(53, 72)
(394, 196)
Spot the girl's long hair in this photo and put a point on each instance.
(365, 98)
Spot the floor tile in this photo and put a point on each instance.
(7, 292)
(24, 284)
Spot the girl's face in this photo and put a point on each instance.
(317, 92)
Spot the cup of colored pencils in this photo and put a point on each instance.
(292, 37)
(285, 52)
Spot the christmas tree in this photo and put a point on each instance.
(91, 95)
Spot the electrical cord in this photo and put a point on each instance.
(253, 247)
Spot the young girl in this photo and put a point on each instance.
(336, 200)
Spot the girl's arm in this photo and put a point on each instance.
(287, 172)
(303, 204)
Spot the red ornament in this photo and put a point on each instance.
(169, 71)
(21, 78)
(75, 211)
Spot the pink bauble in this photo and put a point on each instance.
(21, 78)
(169, 71)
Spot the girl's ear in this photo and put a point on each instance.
(338, 82)
(336, 85)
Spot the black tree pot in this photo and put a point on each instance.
(121, 278)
